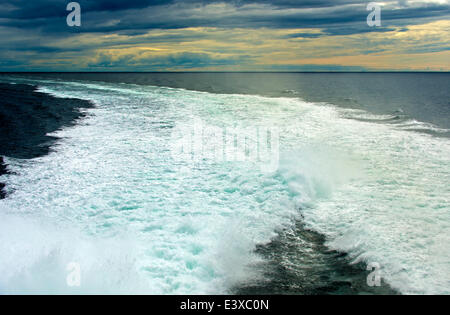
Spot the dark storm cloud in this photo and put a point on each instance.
(114, 16)
(34, 30)
(25, 9)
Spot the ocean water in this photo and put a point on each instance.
(363, 166)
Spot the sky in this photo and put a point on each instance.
(217, 35)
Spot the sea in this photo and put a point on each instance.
(225, 183)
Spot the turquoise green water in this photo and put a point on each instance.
(114, 197)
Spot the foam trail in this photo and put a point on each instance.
(377, 192)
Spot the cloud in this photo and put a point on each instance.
(113, 16)
(178, 61)
(200, 34)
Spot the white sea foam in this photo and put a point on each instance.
(112, 198)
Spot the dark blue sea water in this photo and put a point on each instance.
(421, 96)
(356, 179)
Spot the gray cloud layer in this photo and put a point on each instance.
(26, 27)
(113, 16)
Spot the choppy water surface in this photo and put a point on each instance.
(353, 187)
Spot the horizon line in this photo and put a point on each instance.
(174, 72)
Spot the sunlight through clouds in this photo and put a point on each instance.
(256, 35)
